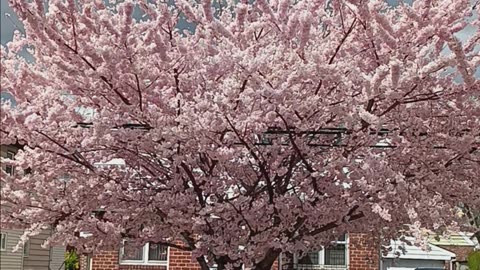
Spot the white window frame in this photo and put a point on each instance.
(144, 260)
(321, 256)
(5, 237)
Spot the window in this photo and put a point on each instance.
(150, 253)
(334, 255)
(311, 258)
(26, 248)
(3, 241)
(157, 252)
(9, 168)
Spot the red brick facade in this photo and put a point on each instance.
(106, 260)
(182, 260)
(364, 252)
(363, 255)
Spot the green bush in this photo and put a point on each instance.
(474, 260)
(71, 261)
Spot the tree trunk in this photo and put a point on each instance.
(203, 263)
(267, 262)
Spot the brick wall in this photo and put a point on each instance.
(109, 260)
(363, 251)
(105, 260)
(363, 255)
(182, 260)
(178, 260)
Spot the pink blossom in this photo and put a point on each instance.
(274, 126)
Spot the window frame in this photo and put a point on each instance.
(321, 256)
(26, 249)
(4, 237)
(10, 155)
(145, 260)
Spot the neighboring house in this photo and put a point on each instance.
(352, 252)
(355, 251)
(31, 256)
(447, 253)
(405, 257)
(461, 244)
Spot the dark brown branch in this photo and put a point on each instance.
(168, 244)
(301, 156)
(104, 79)
(334, 224)
(139, 92)
(196, 187)
(270, 256)
(342, 41)
(242, 88)
(177, 87)
(318, 87)
(261, 164)
(73, 157)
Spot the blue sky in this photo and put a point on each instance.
(7, 22)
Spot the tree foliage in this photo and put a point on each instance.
(274, 126)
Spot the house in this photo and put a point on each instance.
(409, 257)
(32, 256)
(443, 252)
(461, 244)
(355, 251)
(351, 252)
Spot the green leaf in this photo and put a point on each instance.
(474, 260)
(71, 261)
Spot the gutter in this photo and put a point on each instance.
(23, 257)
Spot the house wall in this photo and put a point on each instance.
(109, 260)
(363, 255)
(177, 260)
(364, 252)
(38, 258)
(182, 260)
(10, 260)
(57, 257)
(411, 264)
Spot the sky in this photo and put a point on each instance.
(7, 22)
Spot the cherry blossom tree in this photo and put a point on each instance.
(272, 126)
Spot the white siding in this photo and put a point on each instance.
(10, 260)
(57, 256)
(38, 258)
